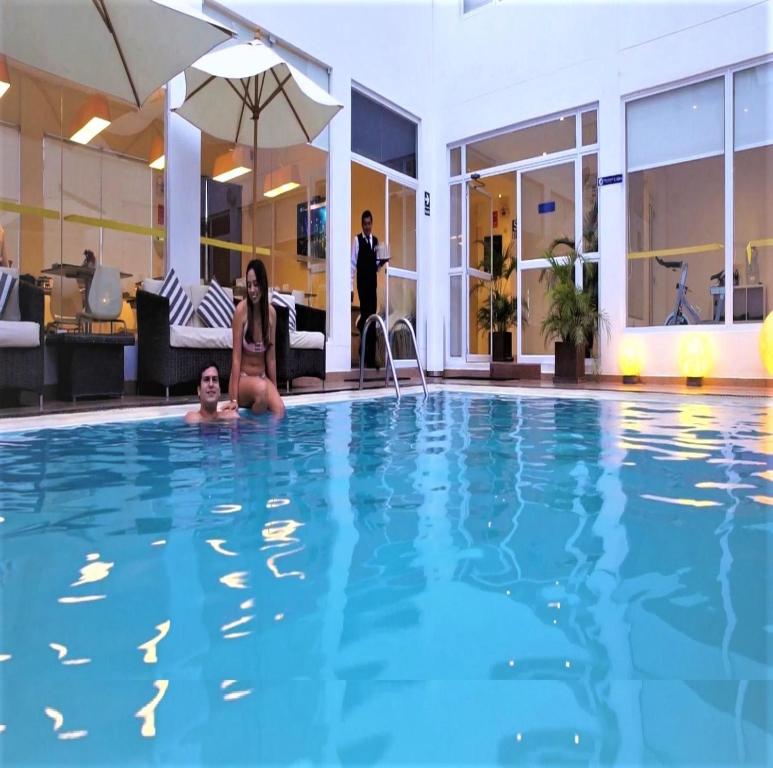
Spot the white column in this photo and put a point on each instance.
(183, 189)
(612, 218)
(338, 357)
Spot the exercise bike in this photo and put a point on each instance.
(684, 312)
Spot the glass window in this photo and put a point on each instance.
(589, 128)
(590, 204)
(456, 316)
(455, 159)
(676, 233)
(753, 193)
(10, 217)
(479, 333)
(382, 135)
(455, 245)
(290, 217)
(72, 198)
(547, 210)
(533, 141)
(402, 303)
(683, 124)
(402, 226)
(534, 306)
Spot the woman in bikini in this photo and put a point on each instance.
(253, 367)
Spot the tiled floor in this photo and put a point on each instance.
(349, 382)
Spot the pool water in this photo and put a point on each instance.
(470, 580)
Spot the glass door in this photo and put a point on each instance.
(480, 211)
(401, 274)
(546, 224)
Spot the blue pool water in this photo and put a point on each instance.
(473, 580)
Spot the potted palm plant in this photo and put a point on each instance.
(572, 317)
(499, 315)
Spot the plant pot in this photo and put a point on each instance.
(502, 346)
(569, 362)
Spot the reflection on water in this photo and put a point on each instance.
(466, 580)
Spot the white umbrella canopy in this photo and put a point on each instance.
(124, 48)
(230, 89)
(248, 94)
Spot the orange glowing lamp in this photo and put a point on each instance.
(766, 343)
(630, 359)
(695, 358)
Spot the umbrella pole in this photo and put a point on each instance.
(254, 184)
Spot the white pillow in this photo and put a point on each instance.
(180, 307)
(7, 284)
(9, 310)
(216, 309)
(285, 300)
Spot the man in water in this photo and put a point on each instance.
(209, 395)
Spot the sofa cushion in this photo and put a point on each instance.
(285, 300)
(152, 286)
(307, 340)
(188, 337)
(216, 310)
(10, 309)
(7, 282)
(180, 306)
(15, 333)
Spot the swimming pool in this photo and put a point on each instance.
(470, 580)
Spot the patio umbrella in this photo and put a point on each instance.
(248, 94)
(124, 48)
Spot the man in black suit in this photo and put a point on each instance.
(367, 264)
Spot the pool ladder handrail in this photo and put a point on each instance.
(388, 350)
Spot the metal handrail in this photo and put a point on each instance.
(379, 320)
(406, 322)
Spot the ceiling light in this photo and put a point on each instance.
(157, 158)
(232, 164)
(282, 180)
(92, 119)
(5, 79)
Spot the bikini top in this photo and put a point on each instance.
(255, 348)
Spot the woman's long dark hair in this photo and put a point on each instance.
(256, 265)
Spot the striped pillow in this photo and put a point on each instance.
(285, 300)
(180, 307)
(216, 310)
(7, 282)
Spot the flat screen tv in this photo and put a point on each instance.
(313, 217)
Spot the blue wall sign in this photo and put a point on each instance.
(605, 180)
(547, 207)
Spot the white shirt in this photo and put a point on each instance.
(356, 252)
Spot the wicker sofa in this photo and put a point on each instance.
(21, 343)
(158, 361)
(293, 362)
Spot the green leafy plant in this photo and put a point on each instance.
(500, 314)
(572, 313)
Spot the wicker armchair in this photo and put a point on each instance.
(22, 368)
(160, 363)
(293, 363)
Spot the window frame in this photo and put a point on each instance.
(728, 75)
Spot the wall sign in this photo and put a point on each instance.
(606, 180)
(426, 203)
(547, 207)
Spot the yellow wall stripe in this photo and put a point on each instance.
(30, 210)
(235, 246)
(120, 226)
(676, 251)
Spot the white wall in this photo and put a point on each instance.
(385, 48)
(514, 61)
